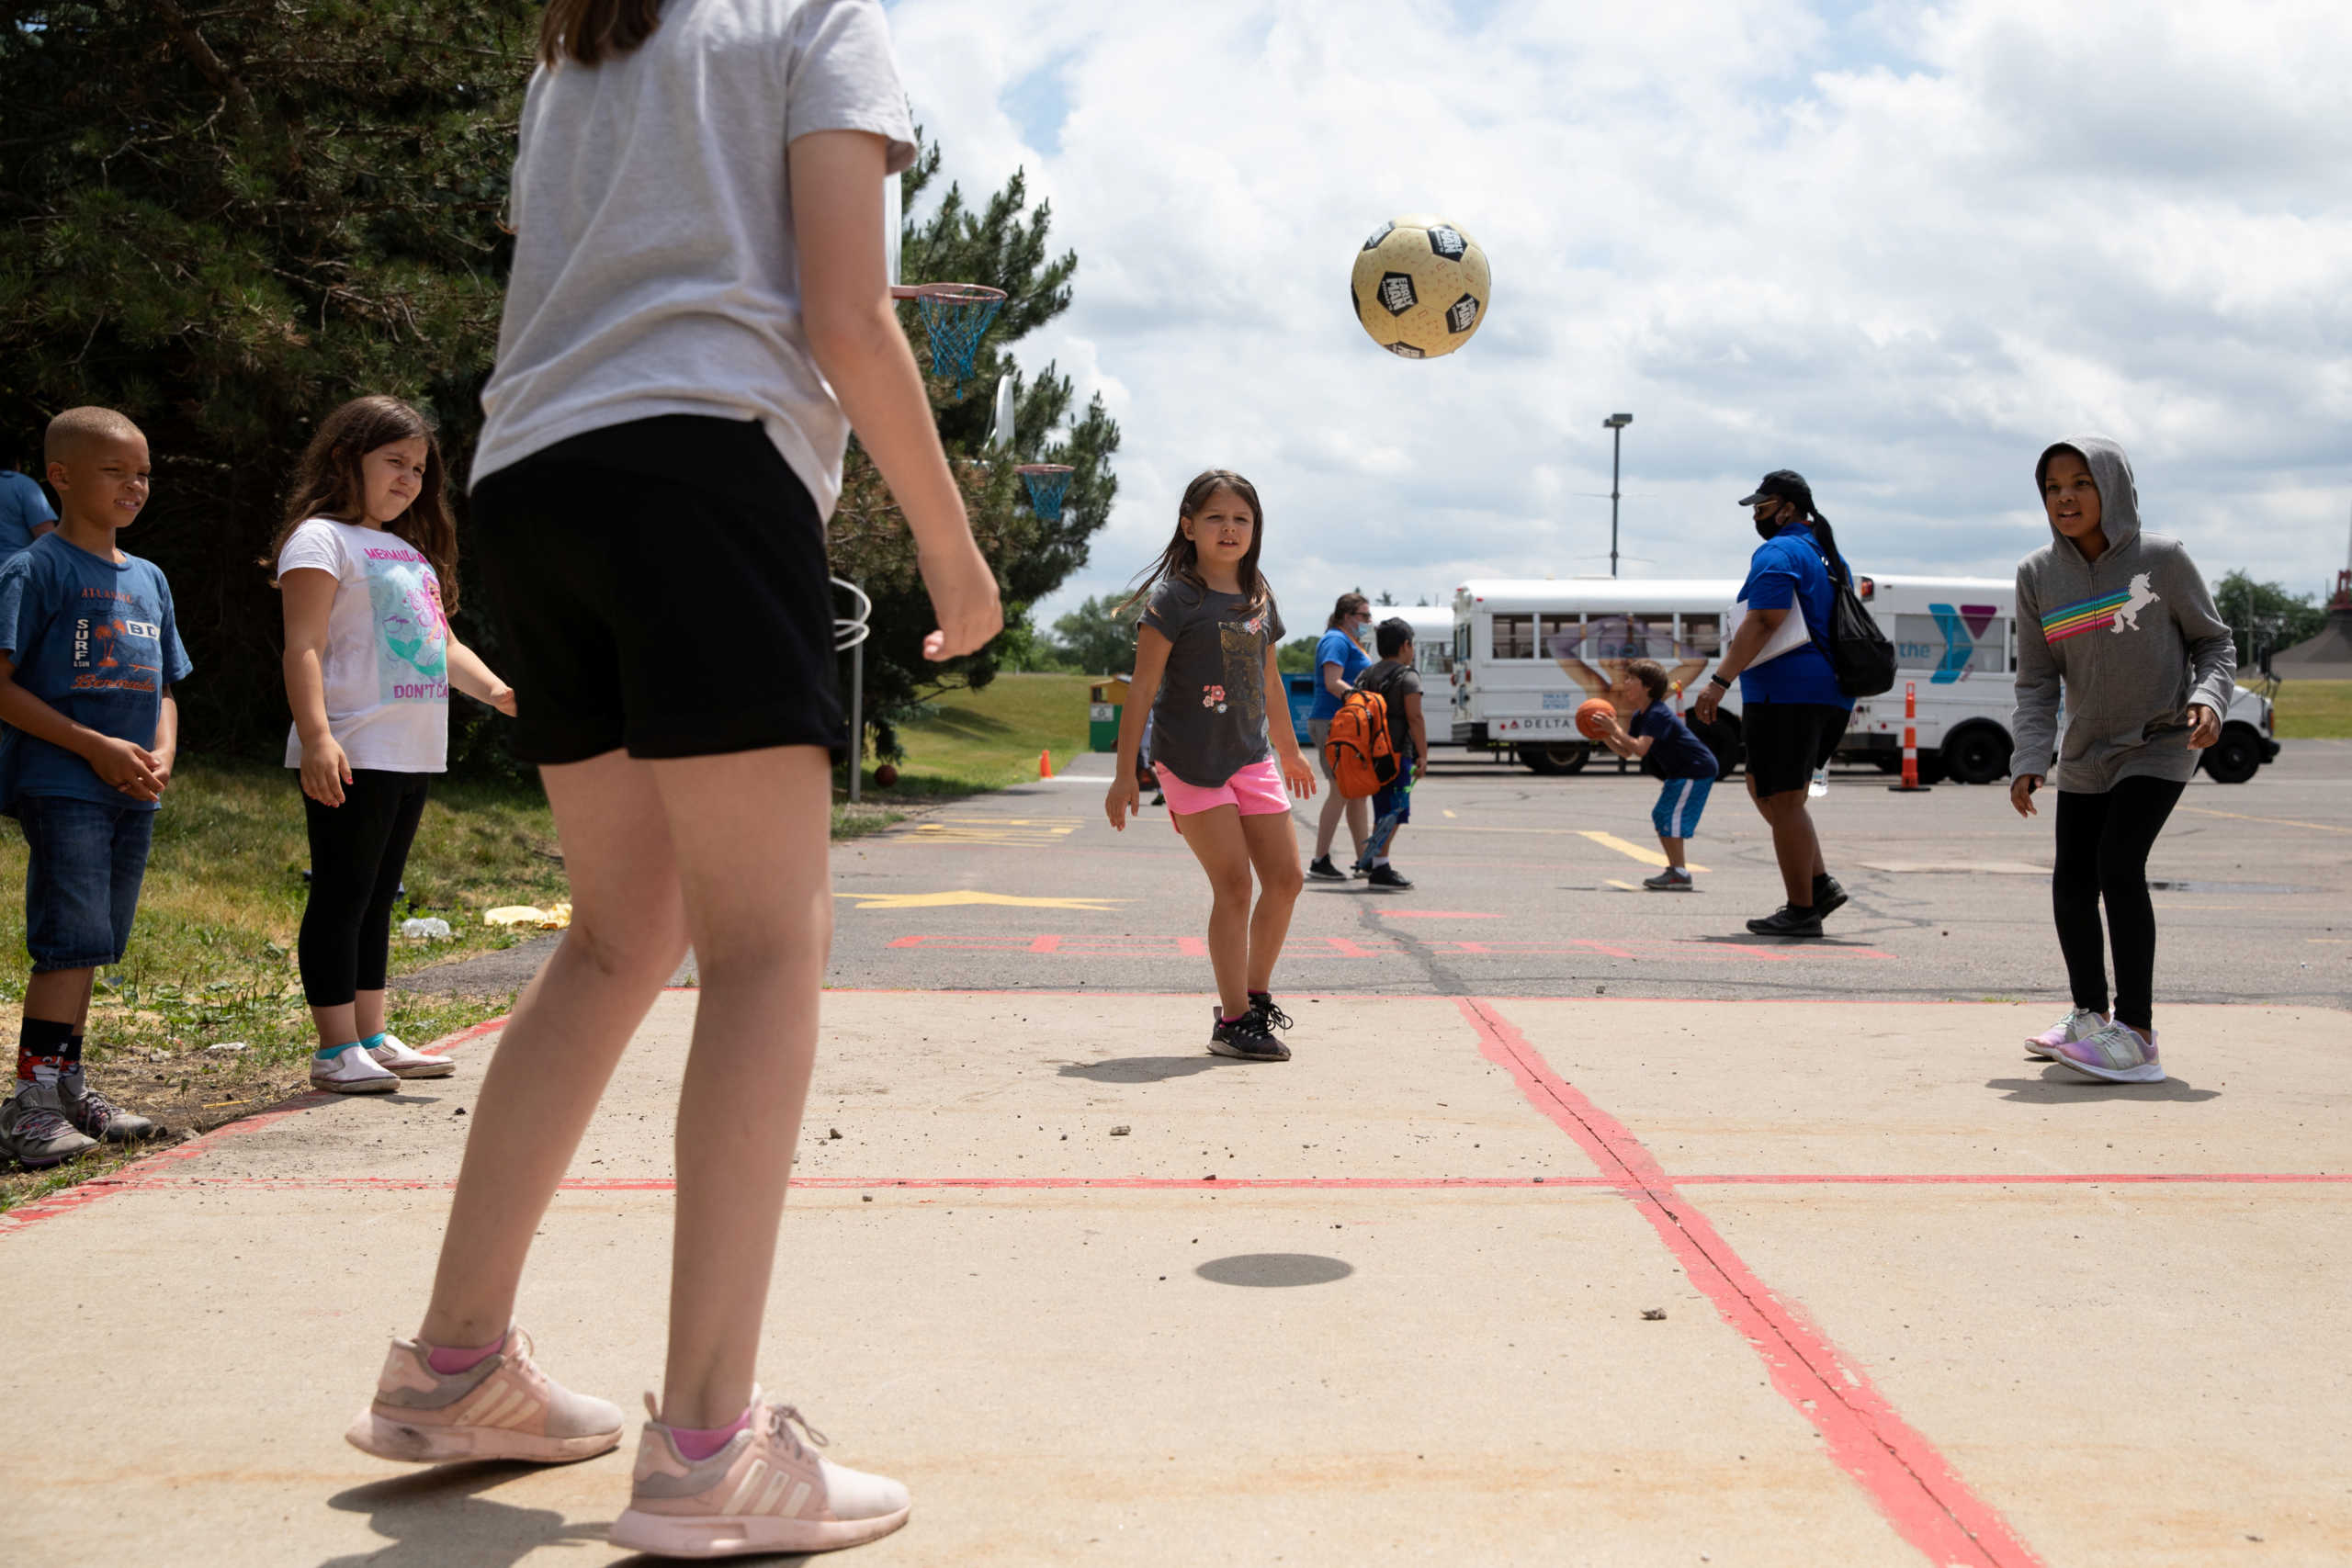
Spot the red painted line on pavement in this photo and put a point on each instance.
(148, 1171)
(1211, 1183)
(1921, 1495)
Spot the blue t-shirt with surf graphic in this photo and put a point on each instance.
(96, 640)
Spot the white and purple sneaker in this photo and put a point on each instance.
(2116, 1054)
(2080, 1023)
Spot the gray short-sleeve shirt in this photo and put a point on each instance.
(1208, 721)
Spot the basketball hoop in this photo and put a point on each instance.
(954, 317)
(1046, 483)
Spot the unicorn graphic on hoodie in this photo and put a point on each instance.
(2127, 613)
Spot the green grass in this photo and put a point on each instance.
(988, 739)
(211, 958)
(2314, 710)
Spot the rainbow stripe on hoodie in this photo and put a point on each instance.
(2084, 615)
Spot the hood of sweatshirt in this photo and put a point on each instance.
(2119, 494)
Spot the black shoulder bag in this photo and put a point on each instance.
(1859, 653)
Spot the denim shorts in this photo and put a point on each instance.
(82, 879)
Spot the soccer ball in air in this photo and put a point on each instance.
(1420, 288)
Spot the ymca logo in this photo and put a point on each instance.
(1960, 627)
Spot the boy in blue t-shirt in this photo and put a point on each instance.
(1667, 749)
(89, 653)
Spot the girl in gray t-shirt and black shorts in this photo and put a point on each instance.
(1205, 671)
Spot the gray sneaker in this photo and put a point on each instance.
(93, 1115)
(1673, 879)
(33, 1129)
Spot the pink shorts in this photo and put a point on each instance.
(1256, 791)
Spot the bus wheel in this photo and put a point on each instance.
(1978, 754)
(2234, 757)
(1553, 756)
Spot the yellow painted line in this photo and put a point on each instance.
(2331, 941)
(1630, 851)
(1448, 813)
(1015, 822)
(2281, 821)
(1628, 887)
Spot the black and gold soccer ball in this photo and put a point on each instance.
(1419, 287)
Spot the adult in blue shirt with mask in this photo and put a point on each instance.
(25, 511)
(1339, 659)
(1792, 714)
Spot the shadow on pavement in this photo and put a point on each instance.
(2056, 1086)
(1274, 1269)
(1749, 938)
(1139, 1069)
(436, 1518)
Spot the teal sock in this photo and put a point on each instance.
(329, 1053)
(373, 1040)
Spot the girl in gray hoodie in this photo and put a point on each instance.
(2119, 623)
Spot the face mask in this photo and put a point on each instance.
(1765, 530)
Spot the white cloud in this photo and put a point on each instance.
(1899, 248)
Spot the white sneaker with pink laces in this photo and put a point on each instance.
(765, 1491)
(2080, 1023)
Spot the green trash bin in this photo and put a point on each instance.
(1106, 702)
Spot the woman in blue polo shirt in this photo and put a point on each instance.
(1792, 714)
(1339, 659)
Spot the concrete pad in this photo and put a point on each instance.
(1402, 1346)
(2141, 1375)
(1916, 1088)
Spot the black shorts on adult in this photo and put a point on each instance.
(1786, 741)
(660, 586)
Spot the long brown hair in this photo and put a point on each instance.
(591, 30)
(1180, 561)
(328, 483)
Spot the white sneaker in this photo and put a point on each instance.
(394, 1056)
(2080, 1023)
(2115, 1054)
(351, 1071)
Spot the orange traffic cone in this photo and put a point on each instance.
(1046, 764)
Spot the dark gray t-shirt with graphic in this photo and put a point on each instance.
(1209, 719)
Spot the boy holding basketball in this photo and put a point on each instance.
(1659, 739)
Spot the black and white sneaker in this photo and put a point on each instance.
(1273, 1018)
(1245, 1038)
(1828, 898)
(1386, 876)
(1787, 921)
(1321, 869)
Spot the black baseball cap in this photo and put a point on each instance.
(1785, 484)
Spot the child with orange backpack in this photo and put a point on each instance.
(1393, 739)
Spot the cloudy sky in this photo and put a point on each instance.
(1898, 247)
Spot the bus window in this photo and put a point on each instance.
(1462, 642)
(1514, 637)
(1559, 636)
(1701, 636)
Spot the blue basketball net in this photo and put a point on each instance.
(1047, 483)
(954, 320)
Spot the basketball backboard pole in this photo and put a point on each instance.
(1615, 424)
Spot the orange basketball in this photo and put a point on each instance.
(1593, 716)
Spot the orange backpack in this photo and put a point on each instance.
(1362, 758)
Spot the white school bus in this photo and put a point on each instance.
(1956, 647)
(1526, 653)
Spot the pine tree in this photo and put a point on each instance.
(1002, 245)
(224, 222)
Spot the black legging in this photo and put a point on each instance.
(2103, 844)
(357, 852)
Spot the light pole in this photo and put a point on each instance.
(1615, 424)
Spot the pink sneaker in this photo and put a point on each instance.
(2117, 1054)
(2080, 1023)
(765, 1491)
(501, 1407)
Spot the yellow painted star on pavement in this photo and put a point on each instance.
(962, 895)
